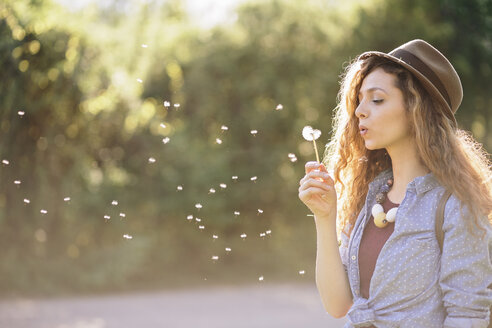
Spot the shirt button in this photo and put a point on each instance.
(353, 257)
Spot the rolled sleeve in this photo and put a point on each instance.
(466, 271)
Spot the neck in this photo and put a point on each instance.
(406, 167)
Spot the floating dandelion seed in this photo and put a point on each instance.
(179, 188)
(227, 249)
(176, 106)
(139, 80)
(198, 220)
(279, 107)
(107, 217)
(223, 185)
(167, 103)
(254, 178)
(17, 182)
(144, 46)
(27, 201)
(301, 272)
(268, 232)
(5, 162)
(114, 202)
(224, 128)
(219, 141)
(21, 113)
(127, 236)
(198, 205)
(236, 213)
(254, 132)
(162, 125)
(189, 217)
(43, 211)
(244, 235)
(260, 211)
(166, 140)
(311, 134)
(66, 199)
(310, 215)
(211, 191)
(215, 257)
(234, 177)
(151, 160)
(262, 234)
(260, 278)
(201, 227)
(292, 157)
(215, 236)
(123, 215)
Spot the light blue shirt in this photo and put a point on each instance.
(413, 285)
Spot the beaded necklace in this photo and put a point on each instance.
(382, 219)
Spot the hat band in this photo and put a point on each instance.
(420, 66)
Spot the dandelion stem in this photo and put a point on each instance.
(315, 148)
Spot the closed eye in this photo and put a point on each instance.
(377, 101)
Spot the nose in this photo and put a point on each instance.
(360, 111)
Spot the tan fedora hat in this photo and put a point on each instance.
(433, 70)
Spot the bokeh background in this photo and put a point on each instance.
(82, 123)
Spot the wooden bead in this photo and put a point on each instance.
(380, 220)
(391, 215)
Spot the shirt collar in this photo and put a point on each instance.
(420, 184)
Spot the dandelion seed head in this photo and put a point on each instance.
(114, 202)
(268, 232)
(254, 132)
(151, 160)
(244, 235)
(5, 162)
(227, 249)
(260, 211)
(224, 128)
(211, 191)
(262, 234)
(21, 113)
(201, 227)
(223, 185)
(236, 213)
(107, 217)
(179, 188)
(167, 103)
(189, 217)
(234, 177)
(279, 107)
(310, 134)
(198, 205)
(219, 141)
(122, 215)
(198, 220)
(43, 211)
(166, 140)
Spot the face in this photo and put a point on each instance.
(382, 111)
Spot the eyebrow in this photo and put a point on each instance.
(373, 89)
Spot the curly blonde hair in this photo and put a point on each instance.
(437, 138)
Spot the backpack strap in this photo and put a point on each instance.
(440, 217)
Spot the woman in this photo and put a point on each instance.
(395, 150)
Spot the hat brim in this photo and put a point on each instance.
(422, 78)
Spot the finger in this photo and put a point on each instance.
(308, 193)
(315, 184)
(312, 165)
(317, 175)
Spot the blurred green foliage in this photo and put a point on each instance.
(91, 86)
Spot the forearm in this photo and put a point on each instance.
(331, 278)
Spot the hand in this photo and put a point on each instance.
(317, 190)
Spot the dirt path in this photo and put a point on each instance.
(258, 306)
